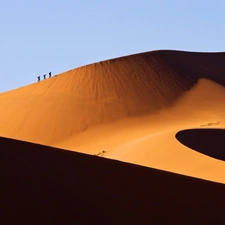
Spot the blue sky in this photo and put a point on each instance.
(38, 36)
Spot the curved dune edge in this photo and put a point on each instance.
(48, 185)
(210, 142)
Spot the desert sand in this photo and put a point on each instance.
(162, 109)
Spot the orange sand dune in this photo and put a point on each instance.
(130, 109)
(202, 108)
(43, 185)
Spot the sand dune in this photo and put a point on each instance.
(43, 185)
(130, 109)
(160, 149)
(95, 94)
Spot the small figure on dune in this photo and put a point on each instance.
(39, 78)
(50, 74)
(44, 76)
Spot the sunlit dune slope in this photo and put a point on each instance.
(104, 92)
(153, 142)
(44, 185)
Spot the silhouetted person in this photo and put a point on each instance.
(50, 74)
(39, 78)
(44, 76)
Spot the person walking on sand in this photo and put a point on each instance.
(39, 78)
(44, 76)
(50, 74)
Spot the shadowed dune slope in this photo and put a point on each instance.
(43, 185)
(207, 141)
(141, 84)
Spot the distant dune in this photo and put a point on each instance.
(44, 185)
(129, 109)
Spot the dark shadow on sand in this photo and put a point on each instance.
(44, 185)
(210, 142)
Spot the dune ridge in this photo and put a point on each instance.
(103, 92)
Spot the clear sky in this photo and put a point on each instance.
(38, 36)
